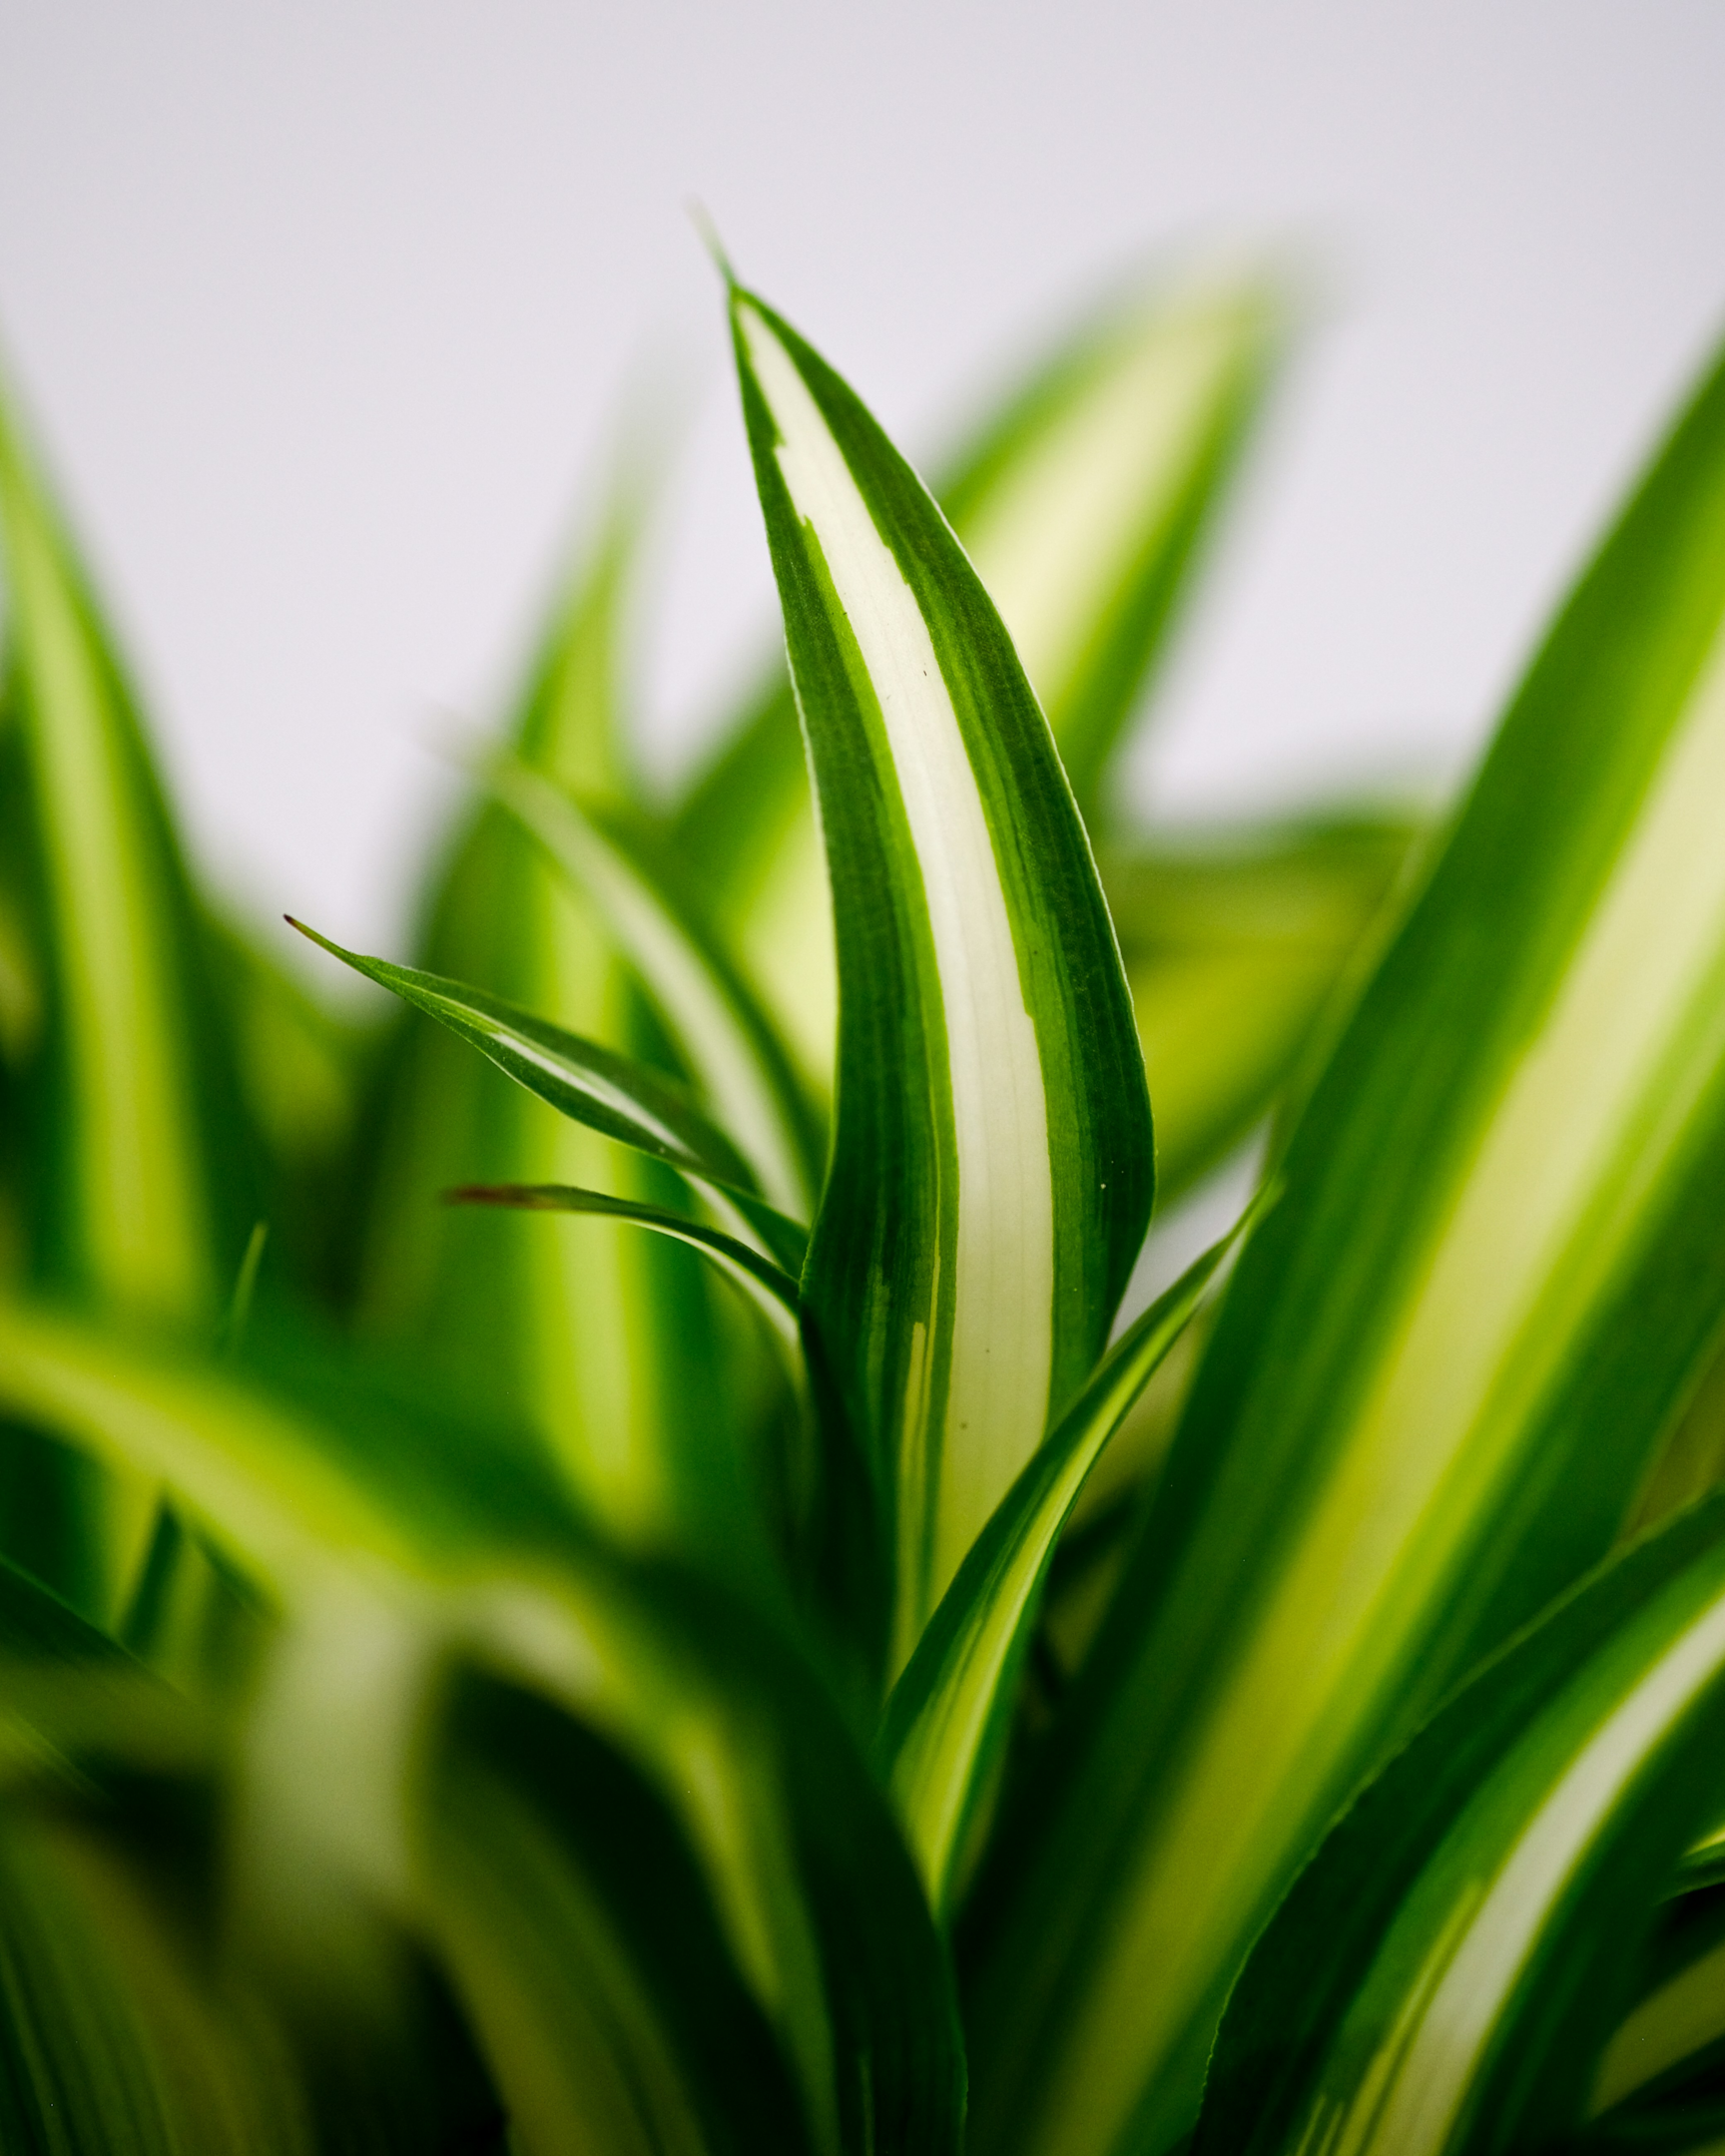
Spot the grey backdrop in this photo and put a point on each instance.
(323, 311)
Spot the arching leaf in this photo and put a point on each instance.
(726, 1037)
(1439, 1375)
(947, 1718)
(992, 1168)
(1449, 1964)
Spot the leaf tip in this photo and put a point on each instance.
(700, 217)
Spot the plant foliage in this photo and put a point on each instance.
(606, 1557)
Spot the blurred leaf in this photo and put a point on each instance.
(619, 1994)
(1457, 1954)
(110, 2035)
(1659, 2083)
(1440, 1371)
(606, 1338)
(591, 1957)
(992, 1168)
(306, 1074)
(1086, 504)
(389, 1552)
(108, 2040)
(1236, 945)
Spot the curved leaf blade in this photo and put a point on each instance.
(610, 1093)
(992, 1168)
(1439, 1375)
(1464, 1938)
(769, 1287)
(947, 1718)
(727, 1040)
(600, 1337)
(1237, 944)
(1084, 503)
(1656, 2083)
(390, 1559)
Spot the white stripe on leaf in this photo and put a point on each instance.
(1002, 1327)
(1418, 2110)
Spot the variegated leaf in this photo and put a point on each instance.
(1441, 1370)
(992, 1168)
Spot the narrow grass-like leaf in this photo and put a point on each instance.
(726, 1039)
(591, 1958)
(389, 1551)
(1459, 1949)
(991, 1171)
(605, 1338)
(1084, 503)
(133, 1157)
(110, 2035)
(306, 1075)
(947, 1716)
(610, 1093)
(769, 1287)
(1440, 1372)
(603, 1968)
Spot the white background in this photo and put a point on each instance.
(323, 312)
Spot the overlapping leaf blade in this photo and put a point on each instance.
(1438, 1375)
(992, 1168)
(110, 2035)
(1087, 502)
(591, 1958)
(1452, 1959)
(603, 1337)
(394, 1539)
(609, 1093)
(1658, 2082)
(947, 1718)
(725, 1038)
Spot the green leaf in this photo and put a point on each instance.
(1459, 1949)
(133, 1142)
(769, 1287)
(111, 2036)
(992, 1168)
(1441, 1370)
(948, 1714)
(591, 1958)
(612, 1094)
(724, 1036)
(1237, 944)
(304, 1074)
(1656, 2083)
(1084, 503)
(614, 1983)
(606, 1339)
(398, 1544)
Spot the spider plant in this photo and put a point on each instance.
(608, 1558)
